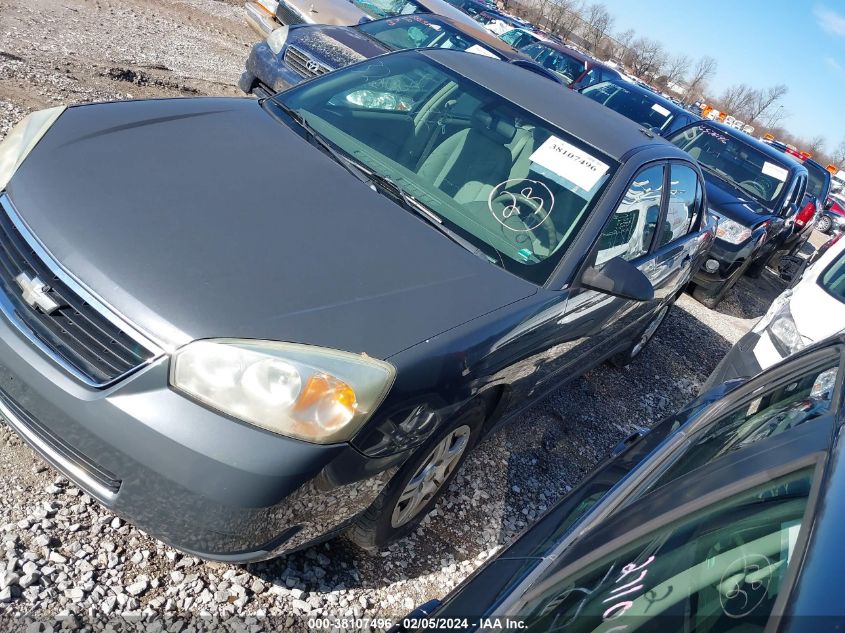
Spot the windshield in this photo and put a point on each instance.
(570, 68)
(817, 181)
(735, 162)
(388, 8)
(419, 31)
(640, 108)
(833, 280)
(505, 181)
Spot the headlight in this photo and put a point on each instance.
(276, 40)
(731, 231)
(23, 137)
(777, 304)
(783, 332)
(311, 393)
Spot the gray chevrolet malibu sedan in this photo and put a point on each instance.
(247, 325)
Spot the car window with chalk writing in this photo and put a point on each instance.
(719, 570)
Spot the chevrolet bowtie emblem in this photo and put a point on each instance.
(35, 294)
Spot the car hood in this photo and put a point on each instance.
(207, 217)
(335, 46)
(730, 202)
(340, 12)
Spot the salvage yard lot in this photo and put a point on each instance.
(70, 555)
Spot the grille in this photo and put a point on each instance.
(69, 460)
(303, 64)
(79, 333)
(287, 15)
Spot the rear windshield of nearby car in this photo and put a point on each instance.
(417, 31)
(569, 68)
(512, 185)
(734, 161)
(817, 182)
(388, 8)
(518, 38)
(833, 279)
(639, 107)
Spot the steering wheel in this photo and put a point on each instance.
(753, 184)
(516, 203)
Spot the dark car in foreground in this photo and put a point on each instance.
(726, 517)
(402, 254)
(292, 54)
(641, 105)
(754, 191)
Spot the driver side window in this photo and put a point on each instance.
(630, 231)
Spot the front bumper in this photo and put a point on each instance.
(197, 480)
(266, 73)
(259, 19)
(730, 258)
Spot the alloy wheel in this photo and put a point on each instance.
(823, 224)
(435, 469)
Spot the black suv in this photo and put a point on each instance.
(726, 517)
(754, 191)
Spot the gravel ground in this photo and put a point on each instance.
(67, 556)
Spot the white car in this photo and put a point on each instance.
(812, 309)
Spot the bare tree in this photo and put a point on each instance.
(646, 57)
(737, 100)
(676, 68)
(560, 16)
(598, 23)
(701, 73)
(764, 99)
(838, 155)
(570, 19)
(815, 146)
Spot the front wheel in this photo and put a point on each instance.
(415, 488)
(824, 224)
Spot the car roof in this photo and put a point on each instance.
(657, 98)
(441, 7)
(585, 119)
(764, 148)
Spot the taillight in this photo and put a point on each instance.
(806, 213)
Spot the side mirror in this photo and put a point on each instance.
(620, 278)
(828, 203)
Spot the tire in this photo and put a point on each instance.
(391, 516)
(756, 267)
(625, 358)
(824, 224)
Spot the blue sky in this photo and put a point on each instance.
(797, 43)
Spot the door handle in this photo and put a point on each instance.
(687, 259)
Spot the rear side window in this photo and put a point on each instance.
(684, 204)
(799, 400)
(718, 570)
(833, 280)
(818, 182)
(631, 229)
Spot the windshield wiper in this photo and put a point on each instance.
(424, 211)
(377, 181)
(350, 165)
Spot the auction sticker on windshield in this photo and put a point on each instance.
(775, 171)
(569, 162)
(660, 109)
(480, 50)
